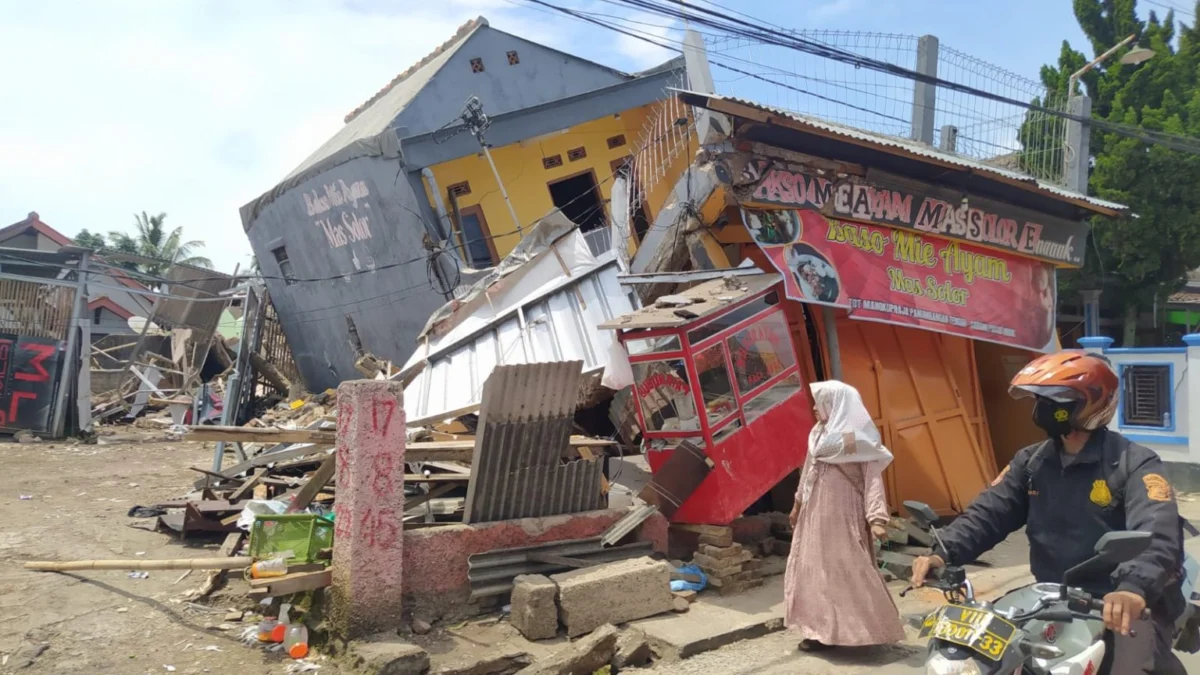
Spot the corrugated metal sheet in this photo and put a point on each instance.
(556, 326)
(694, 98)
(628, 524)
(524, 424)
(492, 573)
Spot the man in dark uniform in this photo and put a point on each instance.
(1070, 490)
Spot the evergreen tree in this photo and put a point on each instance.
(1144, 257)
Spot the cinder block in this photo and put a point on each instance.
(534, 611)
(721, 553)
(613, 594)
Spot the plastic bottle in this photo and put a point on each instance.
(265, 628)
(296, 642)
(280, 630)
(275, 567)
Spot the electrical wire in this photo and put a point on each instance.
(767, 35)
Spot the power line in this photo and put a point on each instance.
(768, 35)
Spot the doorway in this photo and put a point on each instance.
(580, 200)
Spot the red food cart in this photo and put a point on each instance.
(715, 365)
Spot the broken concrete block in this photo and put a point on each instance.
(690, 596)
(916, 535)
(389, 657)
(717, 540)
(898, 564)
(613, 593)
(633, 650)
(503, 662)
(721, 553)
(534, 611)
(581, 657)
(420, 627)
(680, 605)
(766, 547)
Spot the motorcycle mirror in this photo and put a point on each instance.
(1119, 547)
(922, 514)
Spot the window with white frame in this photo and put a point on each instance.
(1146, 396)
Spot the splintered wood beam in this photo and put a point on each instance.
(260, 435)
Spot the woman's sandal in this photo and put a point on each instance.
(814, 646)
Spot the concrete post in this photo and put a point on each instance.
(1091, 312)
(369, 533)
(949, 138)
(1095, 345)
(1075, 160)
(925, 94)
(1193, 396)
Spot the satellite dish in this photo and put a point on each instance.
(138, 323)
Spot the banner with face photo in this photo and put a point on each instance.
(907, 278)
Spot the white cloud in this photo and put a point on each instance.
(195, 107)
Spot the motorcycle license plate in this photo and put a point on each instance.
(976, 629)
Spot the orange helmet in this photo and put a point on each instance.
(1071, 376)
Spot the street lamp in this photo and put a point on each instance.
(1131, 58)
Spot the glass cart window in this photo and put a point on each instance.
(715, 386)
(665, 395)
(761, 351)
(662, 343)
(778, 393)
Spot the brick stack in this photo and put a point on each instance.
(729, 567)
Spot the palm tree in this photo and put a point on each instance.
(152, 240)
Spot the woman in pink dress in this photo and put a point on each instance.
(834, 595)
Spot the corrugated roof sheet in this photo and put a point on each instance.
(555, 326)
(1184, 298)
(909, 146)
(524, 424)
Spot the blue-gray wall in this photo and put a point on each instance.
(389, 305)
(543, 75)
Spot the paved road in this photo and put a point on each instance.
(776, 654)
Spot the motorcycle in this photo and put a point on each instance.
(1039, 629)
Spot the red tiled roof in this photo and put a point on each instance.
(126, 280)
(33, 222)
(111, 306)
(461, 33)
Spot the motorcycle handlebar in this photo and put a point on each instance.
(1097, 605)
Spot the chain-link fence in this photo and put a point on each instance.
(990, 131)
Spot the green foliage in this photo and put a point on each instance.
(151, 239)
(1147, 256)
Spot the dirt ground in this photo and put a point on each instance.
(68, 502)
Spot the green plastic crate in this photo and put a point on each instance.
(304, 534)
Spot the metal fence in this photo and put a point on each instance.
(989, 131)
(35, 310)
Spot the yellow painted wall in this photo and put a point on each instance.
(527, 181)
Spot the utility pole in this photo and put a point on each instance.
(925, 93)
(477, 123)
(1077, 153)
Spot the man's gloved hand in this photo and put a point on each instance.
(1121, 608)
(922, 566)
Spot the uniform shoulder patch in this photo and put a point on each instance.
(1157, 488)
(1101, 496)
(1000, 478)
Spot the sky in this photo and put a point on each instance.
(195, 107)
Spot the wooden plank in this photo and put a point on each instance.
(293, 583)
(270, 458)
(449, 466)
(314, 485)
(247, 488)
(437, 478)
(432, 494)
(586, 453)
(259, 435)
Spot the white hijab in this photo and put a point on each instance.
(846, 436)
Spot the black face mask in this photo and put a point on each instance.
(1053, 417)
